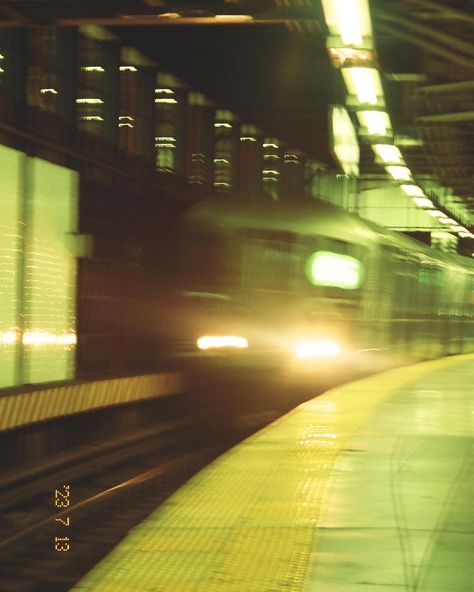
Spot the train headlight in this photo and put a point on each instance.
(221, 341)
(311, 349)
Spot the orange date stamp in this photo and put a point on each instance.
(62, 500)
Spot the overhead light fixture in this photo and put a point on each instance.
(447, 221)
(376, 122)
(412, 190)
(349, 19)
(423, 202)
(458, 228)
(365, 83)
(388, 154)
(436, 213)
(399, 173)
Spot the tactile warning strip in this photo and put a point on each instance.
(248, 522)
(43, 403)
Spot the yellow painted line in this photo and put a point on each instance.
(248, 522)
(46, 403)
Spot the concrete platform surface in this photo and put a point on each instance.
(368, 487)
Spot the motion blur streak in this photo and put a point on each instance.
(308, 349)
(215, 341)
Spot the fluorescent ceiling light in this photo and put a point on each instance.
(389, 154)
(436, 213)
(350, 19)
(376, 122)
(399, 173)
(447, 221)
(412, 190)
(363, 82)
(423, 202)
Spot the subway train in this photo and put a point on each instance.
(306, 286)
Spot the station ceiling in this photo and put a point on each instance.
(267, 62)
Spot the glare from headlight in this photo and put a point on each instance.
(217, 341)
(309, 349)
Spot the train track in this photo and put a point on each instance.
(61, 518)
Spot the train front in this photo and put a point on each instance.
(245, 302)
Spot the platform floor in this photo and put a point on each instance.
(369, 487)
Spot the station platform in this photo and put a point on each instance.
(368, 487)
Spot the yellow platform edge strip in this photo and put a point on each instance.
(248, 522)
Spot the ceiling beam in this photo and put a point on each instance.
(446, 117)
(447, 54)
(447, 88)
(449, 40)
(446, 10)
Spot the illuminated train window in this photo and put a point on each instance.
(325, 268)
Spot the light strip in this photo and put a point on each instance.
(436, 214)
(376, 122)
(217, 341)
(423, 202)
(399, 173)
(234, 18)
(90, 101)
(348, 20)
(92, 69)
(412, 190)
(388, 154)
(363, 82)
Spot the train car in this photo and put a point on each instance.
(308, 285)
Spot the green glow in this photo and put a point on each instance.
(10, 256)
(324, 268)
(50, 273)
